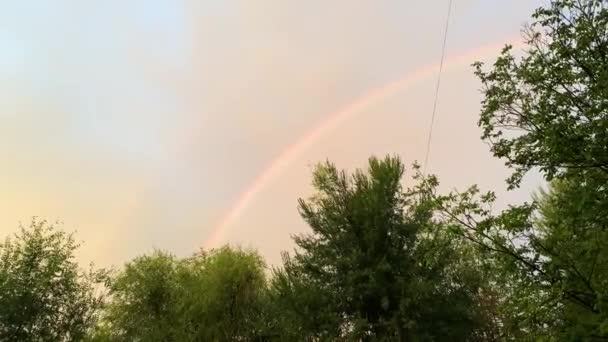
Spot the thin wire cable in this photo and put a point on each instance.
(430, 136)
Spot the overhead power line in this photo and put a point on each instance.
(430, 136)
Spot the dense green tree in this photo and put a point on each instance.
(549, 108)
(300, 307)
(547, 259)
(144, 301)
(211, 296)
(376, 265)
(44, 296)
(573, 239)
(223, 295)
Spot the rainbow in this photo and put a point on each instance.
(279, 164)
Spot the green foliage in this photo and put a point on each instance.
(300, 308)
(44, 296)
(144, 301)
(223, 295)
(376, 265)
(548, 109)
(550, 254)
(214, 296)
(574, 240)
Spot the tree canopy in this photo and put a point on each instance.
(386, 269)
(44, 295)
(211, 296)
(548, 109)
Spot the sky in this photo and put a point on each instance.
(178, 124)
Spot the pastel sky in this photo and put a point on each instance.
(140, 124)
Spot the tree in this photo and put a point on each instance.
(376, 265)
(144, 301)
(44, 296)
(549, 109)
(211, 296)
(548, 258)
(573, 238)
(300, 308)
(223, 295)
